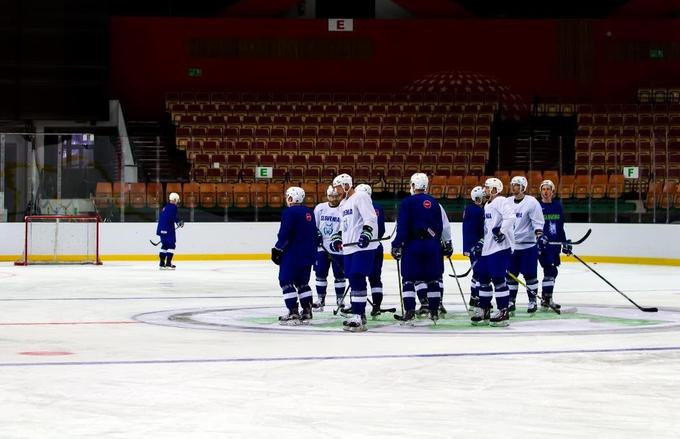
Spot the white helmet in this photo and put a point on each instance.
(521, 181)
(492, 183)
(342, 180)
(331, 192)
(174, 197)
(364, 188)
(477, 193)
(295, 195)
(419, 182)
(548, 183)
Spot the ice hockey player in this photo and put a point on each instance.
(327, 216)
(499, 219)
(528, 229)
(549, 255)
(374, 279)
(359, 229)
(166, 230)
(418, 245)
(473, 239)
(294, 253)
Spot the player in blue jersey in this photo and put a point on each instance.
(418, 242)
(553, 231)
(374, 279)
(473, 239)
(166, 230)
(294, 253)
(327, 216)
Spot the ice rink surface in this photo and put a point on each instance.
(124, 350)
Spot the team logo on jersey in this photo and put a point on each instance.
(308, 216)
(427, 204)
(553, 229)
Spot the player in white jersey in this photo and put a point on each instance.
(359, 228)
(327, 216)
(499, 219)
(528, 229)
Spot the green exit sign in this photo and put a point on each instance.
(656, 53)
(195, 72)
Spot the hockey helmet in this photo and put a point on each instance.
(548, 183)
(477, 193)
(331, 192)
(520, 181)
(295, 195)
(419, 182)
(342, 180)
(364, 188)
(174, 197)
(494, 183)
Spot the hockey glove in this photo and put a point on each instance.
(336, 242)
(277, 255)
(447, 248)
(567, 247)
(542, 243)
(180, 224)
(365, 238)
(476, 251)
(396, 252)
(319, 238)
(497, 235)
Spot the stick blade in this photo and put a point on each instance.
(650, 309)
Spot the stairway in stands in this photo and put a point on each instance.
(153, 146)
(537, 142)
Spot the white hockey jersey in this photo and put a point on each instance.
(328, 223)
(528, 219)
(497, 213)
(356, 212)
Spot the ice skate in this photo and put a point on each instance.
(548, 304)
(375, 312)
(423, 310)
(355, 323)
(170, 267)
(442, 310)
(474, 303)
(531, 308)
(291, 319)
(408, 319)
(346, 311)
(500, 318)
(511, 309)
(481, 316)
(306, 316)
(434, 316)
(318, 306)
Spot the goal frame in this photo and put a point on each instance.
(24, 261)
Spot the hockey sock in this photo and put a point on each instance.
(421, 290)
(168, 262)
(409, 296)
(290, 297)
(474, 287)
(321, 287)
(485, 295)
(305, 294)
(358, 293)
(161, 256)
(340, 285)
(502, 293)
(377, 296)
(532, 288)
(549, 275)
(433, 296)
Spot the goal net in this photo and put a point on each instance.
(61, 239)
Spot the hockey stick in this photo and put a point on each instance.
(340, 302)
(641, 308)
(577, 242)
(352, 244)
(457, 282)
(519, 281)
(392, 310)
(461, 275)
(401, 293)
